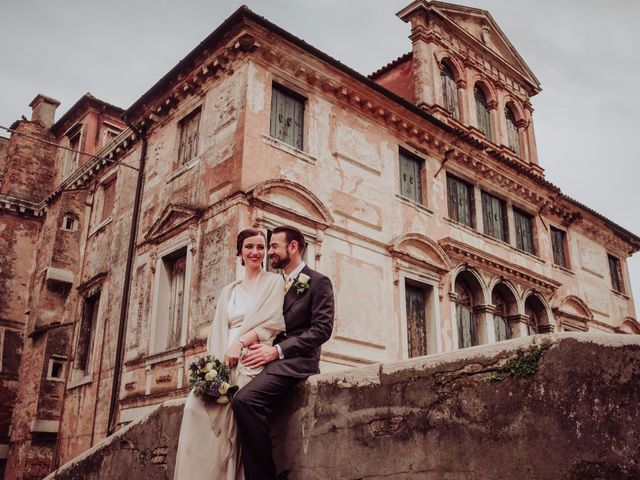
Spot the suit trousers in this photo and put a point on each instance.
(252, 406)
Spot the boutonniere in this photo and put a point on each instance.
(301, 283)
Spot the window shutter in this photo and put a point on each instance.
(287, 118)
(464, 203)
(452, 196)
(557, 244)
(416, 321)
(410, 186)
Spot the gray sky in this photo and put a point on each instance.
(584, 52)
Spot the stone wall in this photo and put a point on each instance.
(461, 415)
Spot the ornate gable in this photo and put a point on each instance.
(172, 219)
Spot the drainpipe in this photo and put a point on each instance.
(124, 307)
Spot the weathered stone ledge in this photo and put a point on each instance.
(457, 415)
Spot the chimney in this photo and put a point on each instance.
(43, 110)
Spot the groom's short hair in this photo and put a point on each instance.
(292, 233)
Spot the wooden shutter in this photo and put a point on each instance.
(410, 185)
(467, 332)
(287, 117)
(416, 320)
(524, 231)
(189, 128)
(86, 332)
(459, 199)
(452, 198)
(616, 274)
(501, 328)
(513, 137)
(557, 244)
(176, 302)
(482, 113)
(450, 91)
(493, 214)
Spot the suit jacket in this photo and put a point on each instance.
(309, 321)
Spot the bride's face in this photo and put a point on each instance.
(253, 249)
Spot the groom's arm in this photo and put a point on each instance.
(322, 313)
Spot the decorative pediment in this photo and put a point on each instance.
(630, 325)
(290, 200)
(417, 248)
(574, 307)
(172, 219)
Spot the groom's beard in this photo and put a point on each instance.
(277, 262)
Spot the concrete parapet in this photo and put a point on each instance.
(563, 406)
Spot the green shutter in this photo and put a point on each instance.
(452, 198)
(287, 118)
(410, 181)
(524, 231)
(557, 244)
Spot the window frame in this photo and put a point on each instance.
(512, 130)
(94, 298)
(450, 98)
(482, 105)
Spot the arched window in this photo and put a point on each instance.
(512, 131)
(538, 320)
(482, 112)
(467, 321)
(500, 324)
(449, 90)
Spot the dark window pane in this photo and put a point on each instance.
(86, 332)
(11, 352)
(616, 274)
(558, 239)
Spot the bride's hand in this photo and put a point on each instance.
(233, 353)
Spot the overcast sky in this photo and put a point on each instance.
(584, 52)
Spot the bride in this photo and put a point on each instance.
(248, 311)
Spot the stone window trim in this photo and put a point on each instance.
(183, 169)
(61, 360)
(415, 205)
(70, 222)
(172, 247)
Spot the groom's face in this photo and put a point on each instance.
(279, 250)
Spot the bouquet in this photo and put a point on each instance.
(209, 378)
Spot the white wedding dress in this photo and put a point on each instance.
(207, 448)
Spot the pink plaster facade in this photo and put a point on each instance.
(342, 188)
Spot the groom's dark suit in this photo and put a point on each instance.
(309, 321)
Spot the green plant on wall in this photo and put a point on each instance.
(524, 364)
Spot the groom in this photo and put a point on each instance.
(308, 315)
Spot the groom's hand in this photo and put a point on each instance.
(259, 355)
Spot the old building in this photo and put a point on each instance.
(418, 188)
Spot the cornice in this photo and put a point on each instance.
(20, 207)
(486, 261)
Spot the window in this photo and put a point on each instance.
(419, 304)
(11, 344)
(69, 223)
(460, 199)
(482, 112)
(287, 117)
(494, 214)
(500, 323)
(108, 198)
(171, 311)
(449, 90)
(467, 321)
(189, 127)
(86, 333)
(558, 244)
(513, 137)
(70, 163)
(410, 177)
(110, 132)
(524, 231)
(616, 274)
(56, 368)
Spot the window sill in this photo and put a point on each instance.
(285, 147)
(621, 294)
(78, 382)
(183, 169)
(163, 356)
(416, 205)
(563, 269)
(100, 226)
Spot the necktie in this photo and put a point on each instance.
(287, 282)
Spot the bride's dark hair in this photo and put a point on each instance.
(244, 234)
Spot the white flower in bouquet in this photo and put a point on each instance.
(222, 389)
(211, 375)
(208, 367)
(222, 400)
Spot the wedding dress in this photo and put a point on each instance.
(208, 448)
